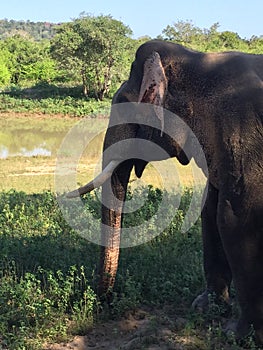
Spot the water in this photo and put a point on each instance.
(34, 137)
(23, 151)
(29, 143)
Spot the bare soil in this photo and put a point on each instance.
(143, 329)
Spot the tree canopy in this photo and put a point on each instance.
(95, 48)
(94, 51)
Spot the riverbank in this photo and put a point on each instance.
(48, 102)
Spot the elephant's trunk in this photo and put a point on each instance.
(113, 196)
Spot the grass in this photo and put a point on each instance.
(47, 278)
(36, 174)
(47, 271)
(43, 280)
(49, 99)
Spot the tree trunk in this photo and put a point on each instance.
(103, 86)
(111, 226)
(85, 89)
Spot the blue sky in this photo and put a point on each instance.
(146, 17)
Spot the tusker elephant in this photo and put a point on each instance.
(219, 96)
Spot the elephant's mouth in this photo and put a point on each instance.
(106, 174)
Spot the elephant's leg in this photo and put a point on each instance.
(217, 271)
(242, 236)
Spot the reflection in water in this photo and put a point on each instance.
(3, 152)
(38, 151)
(16, 141)
(27, 143)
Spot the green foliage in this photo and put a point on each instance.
(187, 34)
(5, 74)
(33, 307)
(69, 105)
(256, 44)
(43, 283)
(47, 273)
(47, 270)
(166, 255)
(94, 51)
(93, 47)
(183, 33)
(43, 70)
(29, 60)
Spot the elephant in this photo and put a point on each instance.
(219, 96)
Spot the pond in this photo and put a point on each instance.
(29, 136)
(31, 146)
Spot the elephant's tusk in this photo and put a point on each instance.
(97, 182)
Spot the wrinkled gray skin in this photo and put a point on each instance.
(220, 97)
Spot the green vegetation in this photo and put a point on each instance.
(97, 49)
(44, 269)
(68, 106)
(28, 61)
(210, 40)
(94, 52)
(48, 273)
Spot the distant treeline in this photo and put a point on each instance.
(94, 52)
(37, 30)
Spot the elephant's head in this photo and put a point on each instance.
(140, 120)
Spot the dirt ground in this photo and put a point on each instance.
(143, 329)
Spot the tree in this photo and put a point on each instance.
(22, 53)
(184, 33)
(255, 44)
(211, 39)
(93, 47)
(29, 60)
(5, 74)
(44, 68)
(63, 49)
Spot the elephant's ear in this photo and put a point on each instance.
(154, 85)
